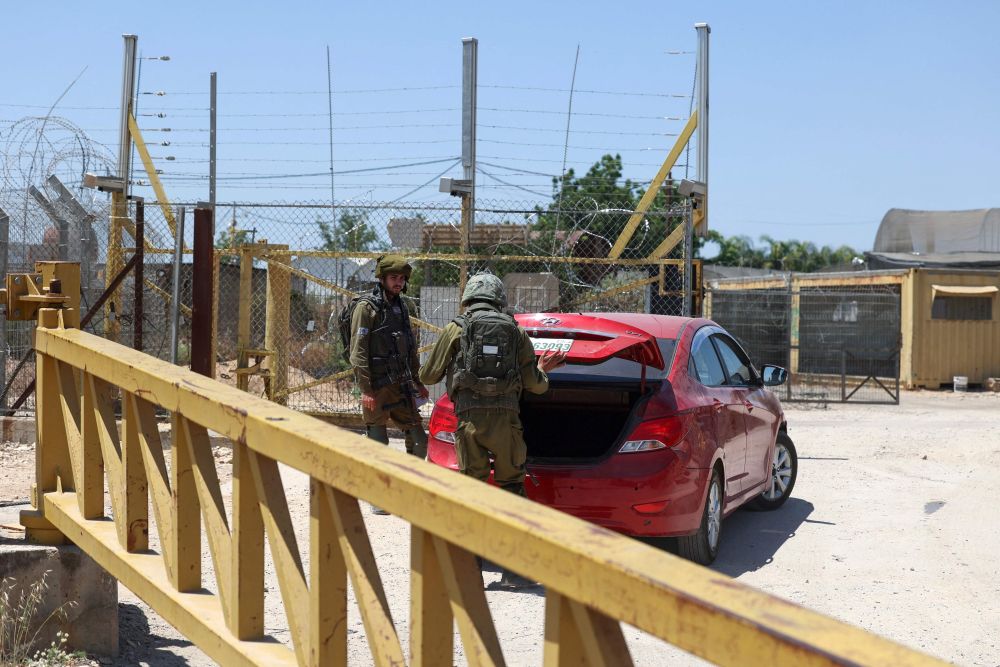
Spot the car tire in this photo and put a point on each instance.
(703, 546)
(784, 470)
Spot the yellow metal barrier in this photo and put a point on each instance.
(593, 578)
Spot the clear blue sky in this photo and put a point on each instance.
(824, 115)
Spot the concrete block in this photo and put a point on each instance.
(87, 594)
(17, 429)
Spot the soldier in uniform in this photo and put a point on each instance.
(385, 360)
(485, 377)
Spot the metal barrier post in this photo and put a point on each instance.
(137, 300)
(216, 287)
(202, 291)
(175, 291)
(795, 308)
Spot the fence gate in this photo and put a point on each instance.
(839, 343)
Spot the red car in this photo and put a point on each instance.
(657, 426)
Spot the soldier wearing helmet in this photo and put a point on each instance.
(488, 361)
(385, 361)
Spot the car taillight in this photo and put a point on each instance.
(443, 425)
(654, 434)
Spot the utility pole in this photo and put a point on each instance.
(119, 198)
(213, 80)
(333, 207)
(4, 250)
(127, 95)
(470, 66)
(703, 29)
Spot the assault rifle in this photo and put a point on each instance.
(403, 374)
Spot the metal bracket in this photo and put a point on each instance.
(53, 285)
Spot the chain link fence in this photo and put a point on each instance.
(549, 259)
(284, 271)
(39, 224)
(839, 342)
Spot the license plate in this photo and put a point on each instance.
(553, 344)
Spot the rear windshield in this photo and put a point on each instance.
(616, 368)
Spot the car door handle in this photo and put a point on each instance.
(718, 405)
(748, 405)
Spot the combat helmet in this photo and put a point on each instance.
(387, 264)
(485, 287)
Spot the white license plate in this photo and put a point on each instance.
(547, 344)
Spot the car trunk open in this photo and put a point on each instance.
(591, 402)
(576, 422)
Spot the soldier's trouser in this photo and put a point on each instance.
(498, 432)
(392, 404)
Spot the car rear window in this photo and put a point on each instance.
(617, 368)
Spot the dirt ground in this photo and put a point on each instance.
(890, 527)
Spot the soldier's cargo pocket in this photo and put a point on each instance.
(460, 447)
(518, 448)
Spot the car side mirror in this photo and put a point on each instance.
(773, 375)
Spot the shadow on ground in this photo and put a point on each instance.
(135, 643)
(750, 539)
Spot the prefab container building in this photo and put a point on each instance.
(944, 322)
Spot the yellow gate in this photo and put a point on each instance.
(594, 579)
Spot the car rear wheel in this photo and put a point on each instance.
(784, 470)
(703, 546)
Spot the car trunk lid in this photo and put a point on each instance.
(591, 340)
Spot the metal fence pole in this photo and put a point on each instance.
(843, 375)
(4, 250)
(139, 277)
(470, 67)
(202, 291)
(243, 333)
(175, 295)
(688, 264)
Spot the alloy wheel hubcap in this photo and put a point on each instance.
(714, 515)
(781, 473)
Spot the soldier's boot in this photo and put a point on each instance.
(378, 434)
(416, 442)
(512, 581)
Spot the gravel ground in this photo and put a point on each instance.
(889, 528)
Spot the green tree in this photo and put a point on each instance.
(231, 238)
(588, 213)
(352, 231)
(791, 255)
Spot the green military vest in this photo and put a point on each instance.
(389, 343)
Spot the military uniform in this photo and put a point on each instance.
(382, 346)
(487, 424)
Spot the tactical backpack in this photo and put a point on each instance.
(347, 315)
(486, 371)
